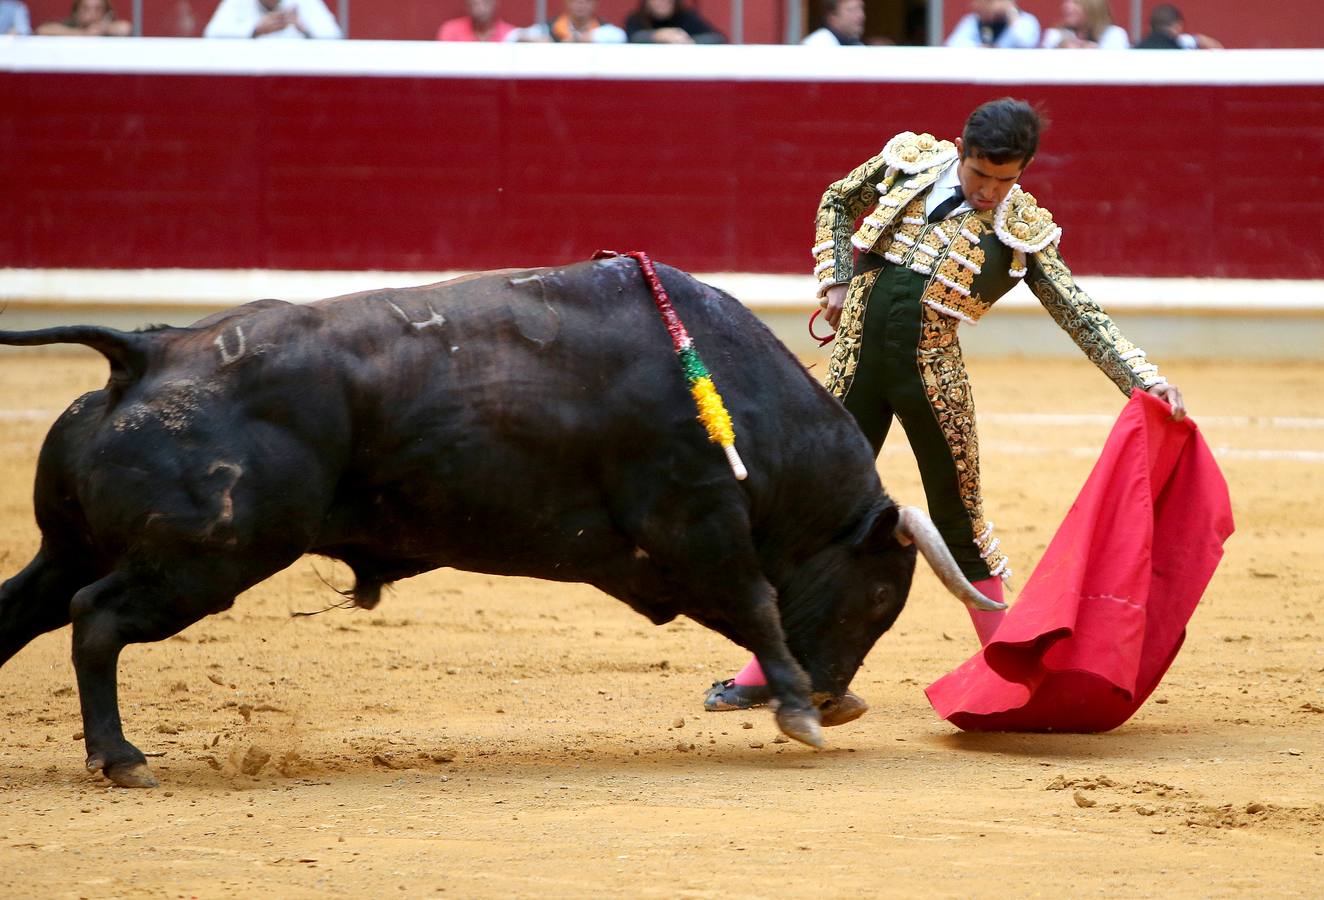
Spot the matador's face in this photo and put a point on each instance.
(986, 183)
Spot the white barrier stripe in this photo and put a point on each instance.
(29, 415)
(1222, 453)
(1293, 455)
(1048, 419)
(627, 62)
(1169, 296)
(218, 288)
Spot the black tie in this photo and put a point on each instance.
(942, 209)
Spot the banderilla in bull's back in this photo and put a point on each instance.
(531, 422)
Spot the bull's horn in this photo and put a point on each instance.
(913, 526)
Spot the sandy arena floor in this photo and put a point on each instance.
(486, 737)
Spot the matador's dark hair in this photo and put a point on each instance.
(1002, 131)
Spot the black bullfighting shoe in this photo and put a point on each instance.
(724, 695)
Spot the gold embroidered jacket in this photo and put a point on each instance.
(971, 259)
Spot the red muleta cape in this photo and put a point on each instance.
(1105, 611)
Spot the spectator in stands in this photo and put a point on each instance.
(272, 19)
(843, 25)
(482, 24)
(1087, 25)
(577, 24)
(186, 23)
(995, 23)
(1167, 31)
(669, 22)
(89, 18)
(14, 17)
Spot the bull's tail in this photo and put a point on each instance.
(127, 351)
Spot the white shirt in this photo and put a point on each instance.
(823, 37)
(238, 18)
(606, 33)
(942, 189)
(1024, 32)
(1114, 37)
(14, 18)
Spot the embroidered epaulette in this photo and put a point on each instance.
(912, 153)
(1022, 224)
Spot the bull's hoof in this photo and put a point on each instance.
(132, 775)
(840, 710)
(125, 774)
(801, 724)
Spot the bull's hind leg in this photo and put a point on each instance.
(36, 601)
(122, 609)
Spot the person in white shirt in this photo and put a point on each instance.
(1086, 25)
(14, 17)
(272, 19)
(578, 24)
(843, 25)
(995, 23)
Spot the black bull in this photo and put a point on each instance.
(519, 423)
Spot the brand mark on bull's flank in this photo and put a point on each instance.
(436, 319)
(226, 356)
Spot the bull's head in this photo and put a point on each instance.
(862, 586)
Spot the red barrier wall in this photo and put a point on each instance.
(321, 172)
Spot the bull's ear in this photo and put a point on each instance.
(883, 531)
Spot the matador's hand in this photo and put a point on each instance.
(1171, 394)
(831, 303)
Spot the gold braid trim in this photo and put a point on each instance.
(913, 153)
(1022, 224)
(850, 335)
(899, 202)
(950, 290)
(1089, 326)
(942, 369)
(846, 200)
(843, 202)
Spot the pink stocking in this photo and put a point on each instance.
(986, 622)
(752, 673)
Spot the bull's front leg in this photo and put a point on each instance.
(759, 625)
(700, 546)
(98, 623)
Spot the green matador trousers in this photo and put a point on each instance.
(894, 375)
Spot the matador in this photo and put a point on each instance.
(946, 231)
